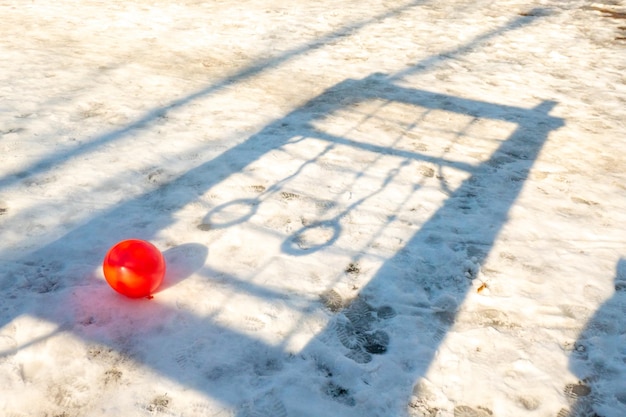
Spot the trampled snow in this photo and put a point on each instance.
(373, 208)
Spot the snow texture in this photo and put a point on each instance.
(368, 208)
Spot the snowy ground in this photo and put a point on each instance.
(368, 208)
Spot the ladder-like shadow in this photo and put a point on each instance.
(433, 264)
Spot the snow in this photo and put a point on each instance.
(372, 208)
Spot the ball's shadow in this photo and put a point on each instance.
(182, 261)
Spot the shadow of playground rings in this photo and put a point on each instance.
(230, 214)
(312, 237)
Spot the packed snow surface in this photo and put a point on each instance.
(367, 208)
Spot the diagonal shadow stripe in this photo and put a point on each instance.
(256, 68)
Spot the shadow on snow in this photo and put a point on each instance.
(202, 357)
(599, 358)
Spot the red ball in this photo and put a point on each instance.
(134, 268)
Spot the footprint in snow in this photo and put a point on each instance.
(264, 406)
(359, 332)
(467, 411)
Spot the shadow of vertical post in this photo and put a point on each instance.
(599, 358)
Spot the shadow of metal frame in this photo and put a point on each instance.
(485, 184)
